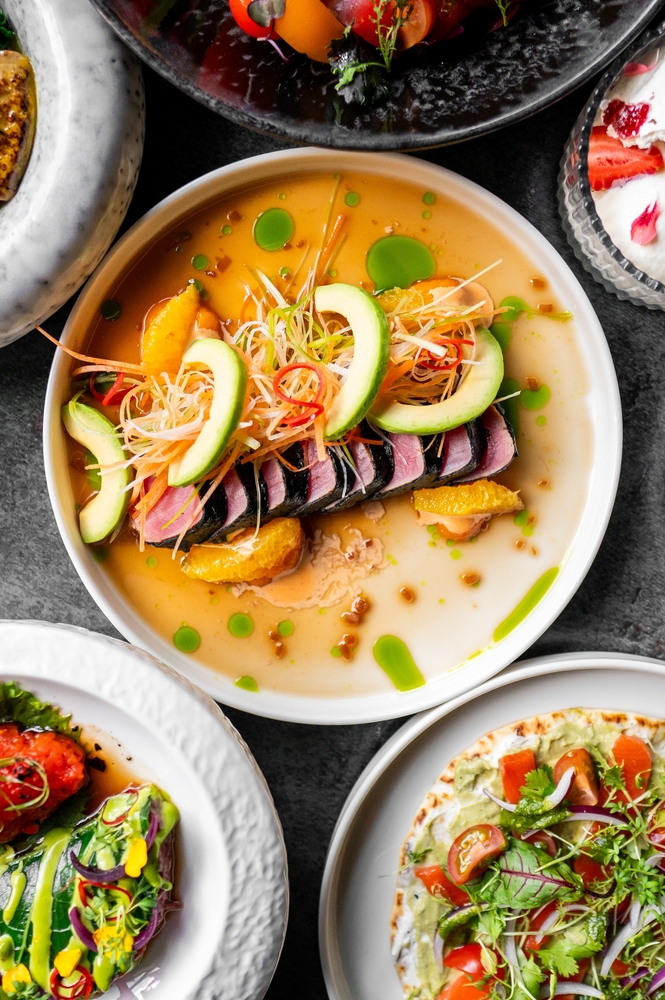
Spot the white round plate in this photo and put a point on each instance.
(360, 874)
(84, 162)
(602, 403)
(231, 860)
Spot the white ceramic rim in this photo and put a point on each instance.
(250, 885)
(398, 743)
(603, 400)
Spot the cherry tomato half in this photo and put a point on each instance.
(584, 787)
(541, 839)
(589, 870)
(360, 14)
(535, 942)
(439, 885)
(633, 757)
(466, 958)
(472, 850)
(514, 768)
(244, 21)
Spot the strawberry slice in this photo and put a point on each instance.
(625, 120)
(611, 163)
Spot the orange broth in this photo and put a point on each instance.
(551, 471)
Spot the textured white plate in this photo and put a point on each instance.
(231, 860)
(602, 401)
(359, 879)
(84, 162)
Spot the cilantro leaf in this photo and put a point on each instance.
(521, 884)
(532, 976)
(558, 959)
(360, 77)
(21, 707)
(539, 783)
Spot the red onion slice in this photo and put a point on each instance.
(81, 931)
(97, 874)
(657, 981)
(561, 790)
(508, 806)
(438, 949)
(154, 825)
(655, 861)
(616, 946)
(142, 938)
(597, 813)
(629, 981)
(577, 989)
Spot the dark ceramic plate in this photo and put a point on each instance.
(438, 94)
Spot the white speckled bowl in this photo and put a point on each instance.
(84, 163)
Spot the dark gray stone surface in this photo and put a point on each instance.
(311, 769)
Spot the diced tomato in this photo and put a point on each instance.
(514, 768)
(473, 850)
(361, 15)
(466, 958)
(577, 978)
(541, 839)
(610, 162)
(619, 968)
(438, 884)
(633, 757)
(462, 989)
(584, 788)
(244, 21)
(589, 870)
(535, 942)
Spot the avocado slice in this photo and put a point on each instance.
(94, 431)
(371, 336)
(475, 394)
(230, 377)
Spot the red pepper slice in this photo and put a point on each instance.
(314, 405)
(83, 895)
(123, 816)
(80, 990)
(114, 395)
(440, 363)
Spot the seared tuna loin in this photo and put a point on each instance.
(374, 467)
(416, 463)
(463, 450)
(287, 490)
(246, 494)
(501, 446)
(327, 480)
(173, 512)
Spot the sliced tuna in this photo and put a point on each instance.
(374, 462)
(327, 480)
(287, 490)
(416, 463)
(501, 446)
(245, 495)
(172, 513)
(463, 450)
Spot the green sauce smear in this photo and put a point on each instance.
(535, 399)
(394, 658)
(527, 604)
(240, 625)
(514, 307)
(522, 521)
(502, 333)
(55, 843)
(286, 628)
(247, 683)
(186, 639)
(17, 881)
(272, 229)
(398, 261)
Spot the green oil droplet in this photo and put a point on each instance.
(100, 555)
(431, 529)
(455, 554)
(322, 611)
(429, 197)
(247, 683)
(511, 407)
(284, 272)
(474, 539)
(179, 249)
(186, 639)
(352, 199)
(227, 230)
(199, 262)
(336, 652)
(198, 285)
(151, 562)
(93, 476)
(450, 543)
(541, 420)
(332, 273)
(281, 196)
(394, 657)
(521, 518)
(240, 625)
(432, 544)
(527, 604)
(427, 215)
(501, 332)
(272, 229)
(111, 309)
(535, 399)
(286, 627)
(214, 600)
(398, 261)
(514, 307)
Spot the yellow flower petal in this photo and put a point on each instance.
(10, 980)
(137, 857)
(66, 961)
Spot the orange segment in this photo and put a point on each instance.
(167, 333)
(249, 558)
(308, 26)
(468, 499)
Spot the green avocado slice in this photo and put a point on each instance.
(230, 375)
(90, 428)
(475, 394)
(371, 336)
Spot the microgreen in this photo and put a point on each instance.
(6, 33)
(503, 6)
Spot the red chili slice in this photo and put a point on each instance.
(123, 816)
(80, 990)
(313, 405)
(440, 363)
(83, 895)
(114, 395)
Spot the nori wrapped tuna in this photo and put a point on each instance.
(287, 490)
(463, 450)
(501, 446)
(374, 467)
(246, 495)
(172, 512)
(327, 479)
(417, 462)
